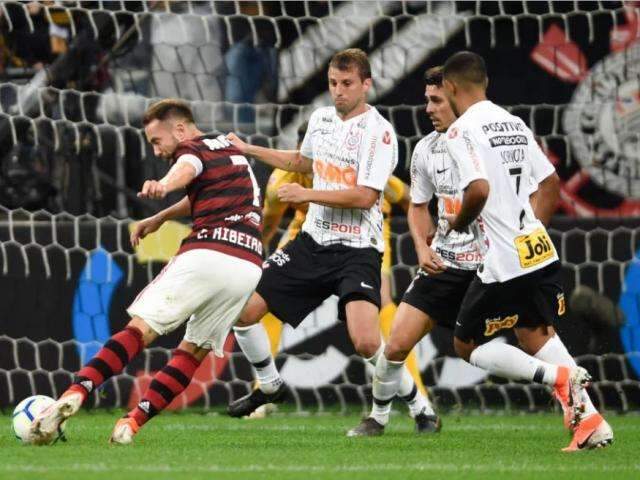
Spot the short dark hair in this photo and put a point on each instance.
(466, 67)
(433, 76)
(352, 57)
(169, 107)
(302, 131)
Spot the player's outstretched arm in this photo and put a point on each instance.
(289, 160)
(153, 223)
(178, 177)
(356, 197)
(547, 198)
(473, 200)
(422, 230)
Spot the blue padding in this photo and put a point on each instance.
(91, 303)
(630, 305)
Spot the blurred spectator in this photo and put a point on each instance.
(252, 63)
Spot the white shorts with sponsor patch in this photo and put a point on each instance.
(205, 288)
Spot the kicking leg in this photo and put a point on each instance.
(110, 360)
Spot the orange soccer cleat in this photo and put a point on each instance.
(592, 432)
(124, 431)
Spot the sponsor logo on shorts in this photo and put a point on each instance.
(365, 285)
(561, 304)
(495, 324)
(279, 258)
(386, 138)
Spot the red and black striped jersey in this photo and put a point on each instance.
(225, 199)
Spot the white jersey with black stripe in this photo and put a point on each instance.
(487, 142)
(362, 150)
(434, 173)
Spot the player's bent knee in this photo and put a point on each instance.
(463, 349)
(396, 352)
(199, 353)
(366, 348)
(148, 333)
(253, 311)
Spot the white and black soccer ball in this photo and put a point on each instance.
(24, 414)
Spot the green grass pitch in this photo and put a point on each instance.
(192, 446)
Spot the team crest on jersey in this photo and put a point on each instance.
(453, 132)
(492, 325)
(386, 138)
(353, 138)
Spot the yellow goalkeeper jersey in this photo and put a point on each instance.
(273, 207)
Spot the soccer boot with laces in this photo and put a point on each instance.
(592, 432)
(427, 423)
(246, 405)
(569, 388)
(45, 426)
(368, 427)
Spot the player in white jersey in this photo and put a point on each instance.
(352, 151)
(447, 266)
(518, 285)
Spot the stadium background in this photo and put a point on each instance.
(75, 78)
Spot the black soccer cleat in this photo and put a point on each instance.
(368, 427)
(427, 423)
(246, 405)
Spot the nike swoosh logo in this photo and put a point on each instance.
(581, 445)
(442, 171)
(364, 285)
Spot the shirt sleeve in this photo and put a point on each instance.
(306, 148)
(465, 152)
(541, 167)
(193, 160)
(378, 157)
(422, 188)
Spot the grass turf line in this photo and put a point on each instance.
(195, 446)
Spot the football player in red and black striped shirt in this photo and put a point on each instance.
(223, 200)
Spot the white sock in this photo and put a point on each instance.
(554, 351)
(416, 401)
(385, 387)
(512, 363)
(254, 343)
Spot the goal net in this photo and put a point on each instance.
(73, 154)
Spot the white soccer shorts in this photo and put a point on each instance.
(205, 288)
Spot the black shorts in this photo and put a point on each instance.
(439, 295)
(531, 300)
(298, 278)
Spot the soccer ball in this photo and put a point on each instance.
(24, 414)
